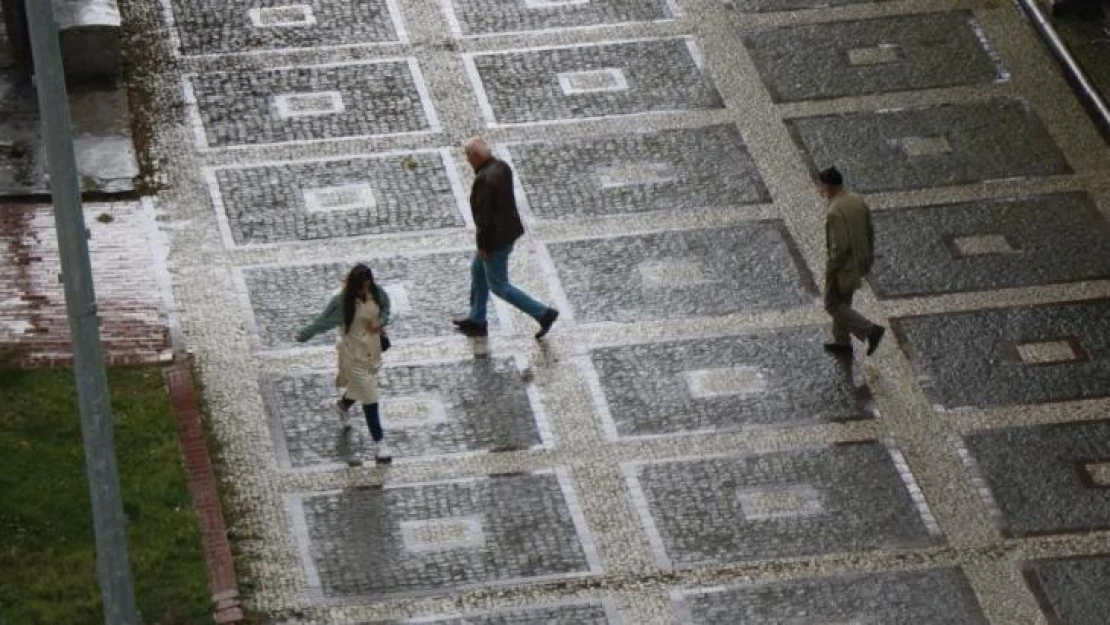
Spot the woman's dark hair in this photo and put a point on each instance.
(359, 275)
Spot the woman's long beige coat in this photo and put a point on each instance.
(360, 354)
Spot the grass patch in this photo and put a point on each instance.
(47, 558)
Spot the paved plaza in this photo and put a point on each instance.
(679, 450)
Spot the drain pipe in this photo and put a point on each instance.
(1092, 101)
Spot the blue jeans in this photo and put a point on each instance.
(493, 276)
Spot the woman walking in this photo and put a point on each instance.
(361, 311)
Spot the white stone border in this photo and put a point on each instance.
(450, 170)
(490, 117)
(605, 603)
(396, 17)
(200, 136)
(454, 26)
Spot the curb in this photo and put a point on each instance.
(206, 498)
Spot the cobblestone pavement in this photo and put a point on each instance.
(679, 449)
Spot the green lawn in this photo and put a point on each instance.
(47, 561)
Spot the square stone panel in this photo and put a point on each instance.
(884, 598)
(299, 201)
(719, 384)
(846, 498)
(989, 244)
(436, 288)
(314, 102)
(427, 410)
(233, 26)
(683, 273)
(1039, 477)
(765, 6)
(1072, 591)
(891, 150)
(658, 75)
(973, 358)
(672, 170)
(839, 59)
(471, 18)
(460, 534)
(568, 614)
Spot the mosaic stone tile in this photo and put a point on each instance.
(987, 245)
(241, 26)
(831, 60)
(975, 358)
(723, 383)
(944, 145)
(901, 597)
(477, 405)
(425, 291)
(440, 537)
(1069, 589)
(580, 82)
(683, 273)
(760, 6)
(843, 498)
(1038, 477)
(253, 107)
(667, 170)
(568, 614)
(485, 17)
(299, 201)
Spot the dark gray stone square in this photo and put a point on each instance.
(1039, 478)
(831, 60)
(843, 498)
(589, 81)
(242, 26)
(425, 292)
(683, 273)
(670, 170)
(766, 6)
(311, 200)
(951, 144)
(724, 383)
(987, 245)
(568, 614)
(487, 17)
(436, 538)
(479, 405)
(1011, 356)
(1072, 591)
(885, 598)
(293, 104)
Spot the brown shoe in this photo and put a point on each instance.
(840, 349)
(471, 328)
(546, 321)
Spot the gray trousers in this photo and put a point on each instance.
(845, 321)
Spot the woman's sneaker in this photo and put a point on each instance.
(381, 453)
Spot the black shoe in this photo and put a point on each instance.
(471, 328)
(840, 349)
(546, 321)
(873, 339)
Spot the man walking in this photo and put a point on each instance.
(493, 205)
(849, 238)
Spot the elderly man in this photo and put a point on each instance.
(849, 238)
(493, 206)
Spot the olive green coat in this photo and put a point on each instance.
(849, 238)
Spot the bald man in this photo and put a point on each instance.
(493, 206)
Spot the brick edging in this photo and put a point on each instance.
(206, 497)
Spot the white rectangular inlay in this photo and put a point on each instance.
(342, 197)
(398, 293)
(431, 535)
(875, 55)
(288, 15)
(290, 105)
(593, 81)
(656, 274)
(416, 411)
(982, 244)
(635, 174)
(923, 146)
(552, 4)
(779, 502)
(725, 382)
(1099, 472)
(1043, 352)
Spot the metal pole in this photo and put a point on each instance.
(109, 524)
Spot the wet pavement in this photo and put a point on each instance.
(679, 449)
